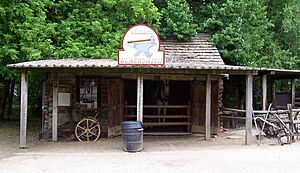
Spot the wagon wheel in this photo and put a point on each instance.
(88, 129)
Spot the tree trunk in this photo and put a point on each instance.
(4, 92)
(10, 98)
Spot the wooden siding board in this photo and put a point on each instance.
(115, 103)
(198, 92)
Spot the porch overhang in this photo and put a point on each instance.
(281, 73)
(88, 66)
(111, 66)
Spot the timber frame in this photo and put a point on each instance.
(206, 73)
(140, 74)
(195, 60)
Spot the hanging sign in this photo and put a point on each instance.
(140, 46)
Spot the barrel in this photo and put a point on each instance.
(132, 136)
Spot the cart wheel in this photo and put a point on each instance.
(88, 129)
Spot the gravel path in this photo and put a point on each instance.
(161, 154)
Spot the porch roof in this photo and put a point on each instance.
(85, 65)
(283, 74)
(109, 65)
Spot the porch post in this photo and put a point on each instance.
(139, 109)
(208, 108)
(54, 105)
(293, 92)
(249, 107)
(264, 88)
(23, 109)
(274, 92)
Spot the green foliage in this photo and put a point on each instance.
(177, 20)
(241, 31)
(95, 30)
(255, 33)
(37, 29)
(285, 15)
(291, 27)
(201, 11)
(24, 33)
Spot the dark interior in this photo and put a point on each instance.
(179, 94)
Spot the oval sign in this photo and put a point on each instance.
(140, 46)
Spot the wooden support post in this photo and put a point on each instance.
(274, 92)
(208, 108)
(264, 88)
(141, 98)
(23, 109)
(138, 99)
(139, 109)
(54, 105)
(249, 108)
(293, 92)
(291, 118)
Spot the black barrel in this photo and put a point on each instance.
(132, 135)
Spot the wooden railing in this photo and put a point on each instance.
(156, 119)
(289, 116)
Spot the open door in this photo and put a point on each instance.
(198, 91)
(116, 106)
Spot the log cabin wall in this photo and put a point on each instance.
(220, 102)
(109, 99)
(66, 84)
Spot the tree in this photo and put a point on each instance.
(285, 15)
(24, 35)
(38, 29)
(177, 20)
(241, 31)
(94, 29)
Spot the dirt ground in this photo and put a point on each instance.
(225, 153)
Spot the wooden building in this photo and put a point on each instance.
(193, 73)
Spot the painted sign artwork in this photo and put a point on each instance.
(140, 46)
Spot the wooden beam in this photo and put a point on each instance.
(264, 88)
(208, 108)
(274, 92)
(139, 109)
(160, 116)
(144, 70)
(141, 98)
(166, 133)
(160, 106)
(167, 124)
(291, 118)
(293, 92)
(249, 108)
(23, 109)
(138, 98)
(167, 77)
(54, 105)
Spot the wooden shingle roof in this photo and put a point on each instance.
(198, 51)
(197, 55)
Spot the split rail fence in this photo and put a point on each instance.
(271, 123)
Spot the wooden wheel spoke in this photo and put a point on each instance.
(81, 127)
(82, 134)
(93, 127)
(87, 123)
(93, 122)
(93, 133)
(88, 129)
